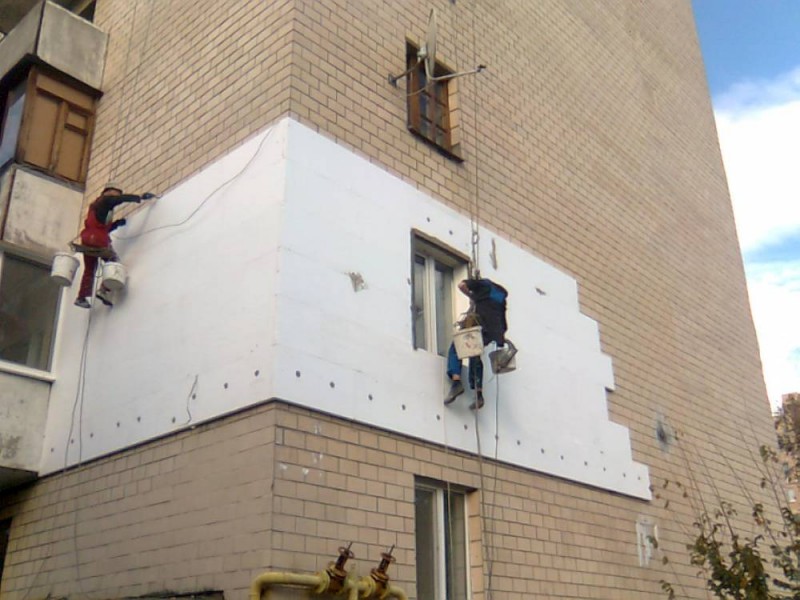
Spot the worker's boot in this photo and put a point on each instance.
(104, 296)
(456, 389)
(478, 404)
(82, 303)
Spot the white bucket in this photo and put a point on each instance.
(64, 267)
(114, 276)
(468, 342)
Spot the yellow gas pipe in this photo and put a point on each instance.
(334, 580)
(317, 583)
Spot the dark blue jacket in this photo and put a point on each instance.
(489, 299)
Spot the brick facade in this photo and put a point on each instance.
(592, 139)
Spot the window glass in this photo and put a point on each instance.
(418, 308)
(12, 119)
(441, 542)
(429, 105)
(456, 546)
(5, 534)
(28, 305)
(424, 512)
(444, 307)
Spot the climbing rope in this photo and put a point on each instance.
(122, 133)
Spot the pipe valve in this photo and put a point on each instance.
(337, 572)
(379, 574)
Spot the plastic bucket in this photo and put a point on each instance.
(468, 342)
(64, 267)
(114, 275)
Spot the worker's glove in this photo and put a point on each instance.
(148, 196)
(118, 223)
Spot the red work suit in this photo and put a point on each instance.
(96, 229)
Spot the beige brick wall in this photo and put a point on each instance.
(592, 139)
(278, 487)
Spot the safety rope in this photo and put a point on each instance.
(122, 133)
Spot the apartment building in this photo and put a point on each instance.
(268, 386)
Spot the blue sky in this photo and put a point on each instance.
(751, 50)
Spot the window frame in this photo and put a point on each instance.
(21, 255)
(441, 492)
(75, 114)
(447, 99)
(435, 254)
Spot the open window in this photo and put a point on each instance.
(440, 513)
(48, 123)
(434, 307)
(432, 105)
(28, 310)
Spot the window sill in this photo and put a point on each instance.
(14, 369)
(453, 154)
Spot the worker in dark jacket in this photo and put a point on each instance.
(97, 227)
(488, 300)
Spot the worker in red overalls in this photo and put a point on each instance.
(95, 234)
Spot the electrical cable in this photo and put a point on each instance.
(224, 184)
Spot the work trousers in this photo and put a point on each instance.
(475, 368)
(89, 268)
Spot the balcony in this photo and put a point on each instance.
(54, 36)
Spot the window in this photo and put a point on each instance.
(441, 541)
(48, 123)
(28, 308)
(432, 283)
(12, 120)
(432, 113)
(5, 535)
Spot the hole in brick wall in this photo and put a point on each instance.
(428, 219)
(586, 463)
(624, 474)
(52, 450)
(604, 469)
(562, 457)
(297, 373)
(438, 417)
(225, 385)
(403, 406)
(72, 441)
(138, 419)
(91, 435)
(466, 427)
(194, 396)
(257, 372)
(541, 292)
(332, 384)
(496, 437)
(117, 423)
(450, 232)
(370, 397)
(173, 419)
(541, 450)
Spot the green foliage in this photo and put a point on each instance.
(764, 566)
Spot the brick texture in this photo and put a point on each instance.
(589, 140)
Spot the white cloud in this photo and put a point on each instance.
(759, 132)
(775, 302)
